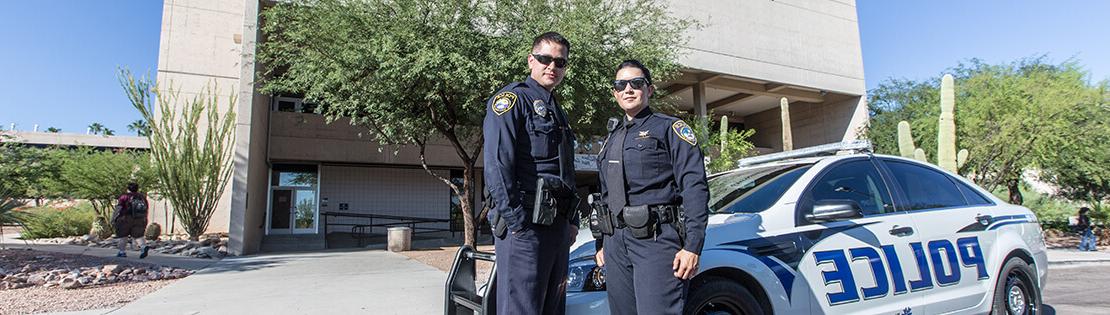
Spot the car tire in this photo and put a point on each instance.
(1015, 292)
(716, 295)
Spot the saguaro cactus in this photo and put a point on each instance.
(905, 140)
(947, 157)
(724, 132)
(787, 135)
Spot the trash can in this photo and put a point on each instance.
(399, 239)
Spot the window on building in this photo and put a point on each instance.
(293, 105)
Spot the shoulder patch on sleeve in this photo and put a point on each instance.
(503, 102)
(684, 132)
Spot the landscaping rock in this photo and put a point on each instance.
(207, 252)
(110, 269)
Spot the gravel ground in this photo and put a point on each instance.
(39, 300)
(443, 257)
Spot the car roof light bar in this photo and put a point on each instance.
(855, 146)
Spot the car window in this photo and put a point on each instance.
(752, 190)
(858, 181)
(925, 188)
(972, 195)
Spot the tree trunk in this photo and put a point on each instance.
(1015, 192)
(466, 202)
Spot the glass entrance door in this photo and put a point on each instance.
(294, 208)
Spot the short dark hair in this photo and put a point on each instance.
(133, 187)
(1084, 209)
(551, 37)
(633, 63)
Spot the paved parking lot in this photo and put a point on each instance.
(1077, 289)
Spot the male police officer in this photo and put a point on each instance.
(653, 181)
(529, 174)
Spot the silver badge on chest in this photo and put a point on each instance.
(539, 107)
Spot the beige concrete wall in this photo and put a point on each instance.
(809, 43)
(812, 124)
(307, 137)
(201, 48)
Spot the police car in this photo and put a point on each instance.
(802, 233)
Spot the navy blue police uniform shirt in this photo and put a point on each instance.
(663, 165)
(524, 128)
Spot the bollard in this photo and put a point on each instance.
(399, 239)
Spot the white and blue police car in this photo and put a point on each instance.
(805, 232)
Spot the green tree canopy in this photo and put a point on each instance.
(100, 176)
(414, 71)
(1011, 117)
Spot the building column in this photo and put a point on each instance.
(700, 109)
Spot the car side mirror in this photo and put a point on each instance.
(834, 209)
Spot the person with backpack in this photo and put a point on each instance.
(129, 219)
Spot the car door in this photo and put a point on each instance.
(865, 264)
(951, 216)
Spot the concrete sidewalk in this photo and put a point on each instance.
(1073, 256)
(322, 282)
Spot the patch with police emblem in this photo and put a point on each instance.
(503, 102)
(685, 132)
(540, 109)
(643, 134)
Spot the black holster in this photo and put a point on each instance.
(601, 219)
(552, 199)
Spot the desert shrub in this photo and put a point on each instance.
(48, 222)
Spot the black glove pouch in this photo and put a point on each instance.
(640, 221)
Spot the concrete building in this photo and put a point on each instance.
(290, 166)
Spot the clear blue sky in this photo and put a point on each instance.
(60, 57)
(920, 39)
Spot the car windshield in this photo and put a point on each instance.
(752, 190)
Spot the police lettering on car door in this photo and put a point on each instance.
(942, 260)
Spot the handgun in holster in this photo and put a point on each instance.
(553, 199)
(601, 219)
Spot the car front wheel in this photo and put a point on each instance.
(717, 295)
(1016, 293)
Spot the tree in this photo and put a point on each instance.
(192, 160)
(1077, 165)
(1009, 116)
(99, 129)
(53, 130)
(722, 146)
(31, 172)
(406, 67)
(139, 127)
(101, 176)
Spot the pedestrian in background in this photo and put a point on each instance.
(1087, 240)
(129, 219)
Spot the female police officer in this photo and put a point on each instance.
(653, 181)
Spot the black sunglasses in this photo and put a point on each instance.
(637, 83)
(546, 60)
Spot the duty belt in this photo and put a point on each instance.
(664, 214)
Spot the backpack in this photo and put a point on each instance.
(136, 205)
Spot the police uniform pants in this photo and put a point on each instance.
(532, 269)
(639, 276)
